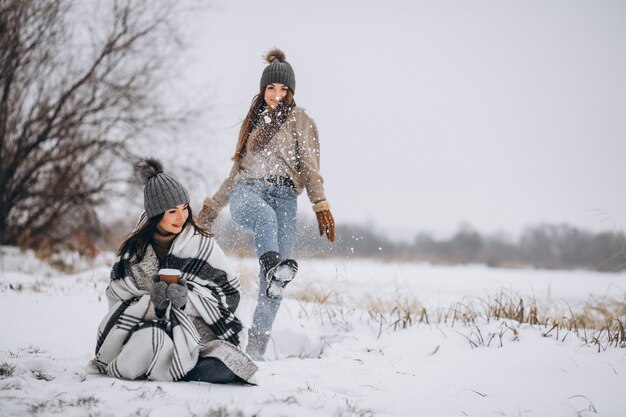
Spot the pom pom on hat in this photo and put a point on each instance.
(148, 168)
(275, 54)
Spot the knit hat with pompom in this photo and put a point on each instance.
(278, 70)
(161, 191)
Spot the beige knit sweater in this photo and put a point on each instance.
(293, 152)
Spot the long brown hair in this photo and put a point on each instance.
(249, 123)
(136, 243)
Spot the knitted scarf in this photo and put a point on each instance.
(268, 123)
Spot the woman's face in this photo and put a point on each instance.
(174, 219)
(274, 94)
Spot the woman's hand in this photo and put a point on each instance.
(207, 215)
(325, 220)
(158, 295)
(162, 294)
(177, 294)
(326, 224)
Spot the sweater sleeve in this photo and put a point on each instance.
(309, 158)
(221, 197)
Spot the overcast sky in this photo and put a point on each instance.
(501, 114)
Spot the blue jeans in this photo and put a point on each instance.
(269, 212)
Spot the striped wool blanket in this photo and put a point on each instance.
(130, 346)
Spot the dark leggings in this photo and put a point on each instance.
(212, 370)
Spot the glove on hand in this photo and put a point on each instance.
(177, 294)
(326, 224)
(207, 215)
(325, 220)
(159, 296)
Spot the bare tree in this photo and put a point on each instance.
(74, 95)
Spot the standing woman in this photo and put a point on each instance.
(276, 158)
(187, 330)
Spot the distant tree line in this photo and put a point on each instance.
(545, 246)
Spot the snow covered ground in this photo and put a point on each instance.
(337, 358)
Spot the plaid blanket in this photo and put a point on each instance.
(131, 347)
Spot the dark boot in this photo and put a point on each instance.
(268, 261)
(278, 273)
(282, 275)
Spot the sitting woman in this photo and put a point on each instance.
(186, 330)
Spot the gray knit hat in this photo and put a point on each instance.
(161, 191)
(278, 70)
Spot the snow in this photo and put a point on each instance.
(328, 359)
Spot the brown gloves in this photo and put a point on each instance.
(208, 214)
(325, 220)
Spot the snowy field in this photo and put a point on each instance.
(335, 350)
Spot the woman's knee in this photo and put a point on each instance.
(253, 215)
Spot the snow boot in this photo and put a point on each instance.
(281, 275)
(268, 261)
(257, 344)
(278, 273)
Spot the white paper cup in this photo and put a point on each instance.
(169, 275)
